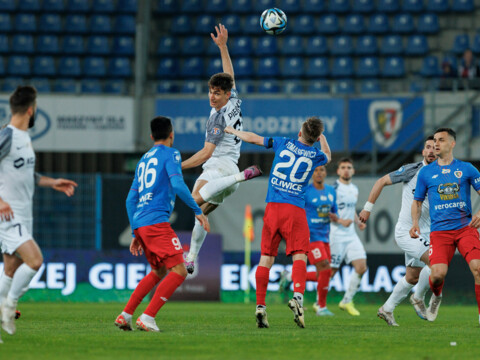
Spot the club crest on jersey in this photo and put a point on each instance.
(323, 198)
(330, 197)
(435, 176)
(458, 174)
(176, 157)
(401, 170)
(216, 131)
(385, 119)
(448, 191)
(445, 171)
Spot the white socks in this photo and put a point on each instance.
(213, 187)
(198, 237)
(299, 297)
(21, 280)
(423, 284)
(128, 317)
(355, 281)
(5, 283)
(399, 293)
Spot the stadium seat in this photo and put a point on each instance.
(18, 66)
(252, 25)
(316, 45)
(167, 7)
(268, 67)
(7, 6)
(73, 45)
(366, 45)
(192, 68)
(214, 66)
(241, 6)
(342, 45)
(10, 84)
(391, 45)
(103, 6)
(245, 87)
(428, 24)
(370, 86)
(50, 24)
(342, 67)
(22, 44)
(243, 67)
(91, 86)
(123, 45)
(460, 44)
(378, 24)
(388, 6)
(25, 23)
(317, 67)
(368, 67)
(29, 5)
(120, 68)
(115, 87)
(354, 24)
(5, 23)
(94, 67)
(53, 6)
(100, 24)
(193, 45)
(393, 67)
(363, 6)
(269, 87)
(167, 68)
(233, 23)
(260, 5)
(98, 45)
(403, 24)
(293, 67)
(290, 6)
(338, 6)
(127, 6)
(69, 66)
(167, 45)
(166, 87)
(328, 24)
(319, 87)
(44, 66)
(41, 84)
(475, 46)
(65, 86)
(124, 24)
(192, 7)
(463, 6)
(266, 45)
(304, 25)
(417, 86)
(314, 6)
(292, 87)
(78, 6)
(4, 48)
(205, 24)
(412, 6)
(417, 45)
(452, 60)
(240, 46)
(77, 24)
(47, 44)
(191, 87)
(292, 45)
(437, 6)
(345, 87)
(430, 67)
(217, 7)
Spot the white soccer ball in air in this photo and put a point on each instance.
(273, 21)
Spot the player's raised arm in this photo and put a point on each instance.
(373, 196)
(247, 136)
(221, 41)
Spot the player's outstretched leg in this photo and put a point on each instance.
(261, 278)
(387, 316)
(198, 237)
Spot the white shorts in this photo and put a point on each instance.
(346, 250)
(216, 168)
(413, 248)
(14, 233)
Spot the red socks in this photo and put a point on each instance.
(168, 286)
(322, 286)
(436, 289)
(312, 276)
(142, 289)
(477, 295)
(299, 276)
(261, 276)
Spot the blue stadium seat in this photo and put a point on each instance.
(460, 44)
(167, 7)
(428, 24)
(217, 7)
(124, 24)
(53, 6)
(119, 68)
(193, 45)
(7, 6)
(91, 86)
(463, 6)
(342, 67)
(368, 67)
(366, 45)
(100, 24)
(430, 67)
(317, 67)
(76, 24)
(290, 6)
(94, 67)
(2, 66)
(393, 67)
(245, 87)
(391, 45)
(451, 59)
(191, 87)
(313, 6)
(18, 65)
(292, 87)
(192, 6)
(304, 25)
(268, 67)
(78, 6)
(260, 5)
(345, 87)
(50, 23)
(103, 6)
(342, 45)
(41, 84)
(354, 24)
(69, 66)
(5, 23)
(115, 87)
(123, 45)
(214, 66)
(44, 66)
(167, 45)
(319, 87)
(316, 45)
(266, 45)
(370, 86)
(378, 24)
(292, 45)
(127, 6)
(328, 24)
(167, 68)
(47, 44)
(417, 86)
(73, 45)
(338, 6)
(252, 25)
(98, 45)
(403, 24)
(166, 87)
(205, 24)
(65, 86)
(22, 44)
(192, 68)
(417, 45)
(4, 48)
(25, 23)
(475, 45)
(29, 5)
(388, 6)
(437, 6)
(243, 67)
(412, 6)
(363, 6)
(293, 67)
(233, 24)
(10, 84)
(241, 6)
(269, 87)
(240, 46)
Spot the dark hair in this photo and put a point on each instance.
(430, 137)
(161, 127)
(22, 98)
(223, 81)
(312, 128)
(447, 130)
(344, 160)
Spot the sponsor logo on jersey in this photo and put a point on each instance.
(176, 157)
(216, 131)
(435, 176)
(402, 169)
(458, 174)
(445, 171)
(385, 119)
(286, 185)
(448, 191)
(323, 210)
(477, 180)
(330, 197)
(323, 198)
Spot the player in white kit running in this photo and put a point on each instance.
(21, 255)
(344, 241)
(219, 156)
(416, 250)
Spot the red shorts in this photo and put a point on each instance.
(444, 243)
(160, 244)
(319, 251)
(288, 222)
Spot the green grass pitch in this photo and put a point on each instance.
(228, 331)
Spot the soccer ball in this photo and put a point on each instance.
(273, 21)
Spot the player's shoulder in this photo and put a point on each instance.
(353, 186)
(336, 185)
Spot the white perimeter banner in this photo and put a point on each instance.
(80, 123)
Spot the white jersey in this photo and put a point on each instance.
(408, 175)
(347, 196)
(227, 145)
(17, 166)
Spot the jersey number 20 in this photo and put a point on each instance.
(147, 174)
(290, 161)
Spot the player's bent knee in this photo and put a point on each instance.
(180, 269)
